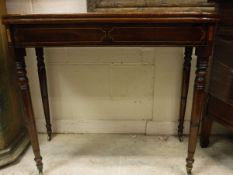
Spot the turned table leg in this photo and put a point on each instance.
(185, 88)
(20, 53)
(43, 89)
(203, 54)
(206, 127)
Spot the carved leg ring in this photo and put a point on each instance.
(43, 89)
(185, 88)
(20, 53)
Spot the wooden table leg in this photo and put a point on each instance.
(20, 53)
(203, 54)
(185, 88)
(43, 89)
(207, 122)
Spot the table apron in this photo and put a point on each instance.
(108, 35)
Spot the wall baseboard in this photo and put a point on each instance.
(118, 127)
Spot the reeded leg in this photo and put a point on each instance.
(20, 53)
(185, 87)
(203, 54)
(43, 89)
(205, 128)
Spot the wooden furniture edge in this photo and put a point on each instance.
(105, 17)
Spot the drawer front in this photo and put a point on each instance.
(110, 35)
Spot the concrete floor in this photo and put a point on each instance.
(124, 155)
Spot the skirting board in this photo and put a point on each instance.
(14, 151)
(118, 127)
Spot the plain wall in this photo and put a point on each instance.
(107, 90)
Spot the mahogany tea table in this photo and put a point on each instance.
(184, 29)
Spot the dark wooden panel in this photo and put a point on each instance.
(226, 31)
(221, 84)
(220, 111)
(224, 52)
(158, 34)
(221, 80)
(108, 34)
(69, 35)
